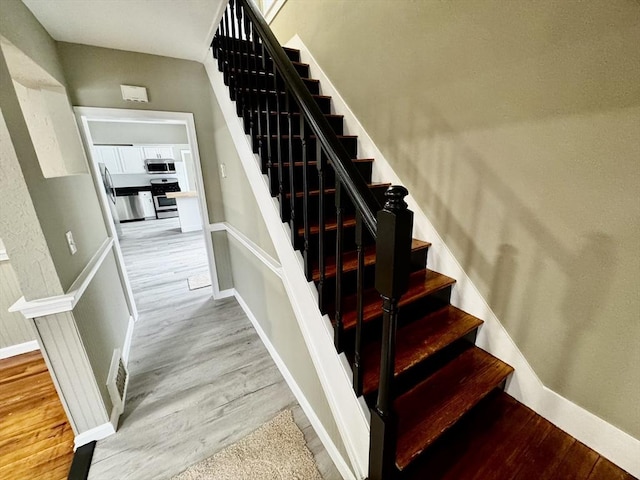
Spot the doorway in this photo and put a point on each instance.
(111, 147)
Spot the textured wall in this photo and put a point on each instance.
(515, 126)
(64, 203)
(14, 328)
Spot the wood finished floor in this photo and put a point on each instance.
(200, 378)
(36, 440)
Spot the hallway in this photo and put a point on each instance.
(200, 378)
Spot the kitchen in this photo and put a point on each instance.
(148, 171)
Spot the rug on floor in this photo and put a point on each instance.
(275, 451)
(199, 281)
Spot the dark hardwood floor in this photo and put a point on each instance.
(36, 440)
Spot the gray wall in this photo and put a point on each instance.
(515, 126)
(14, 328)
(58, 205)
(62, 203)
(259, 286)
(94, 76)
(102, 318)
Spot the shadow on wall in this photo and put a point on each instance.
(508, 192)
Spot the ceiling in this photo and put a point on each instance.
(172, 28)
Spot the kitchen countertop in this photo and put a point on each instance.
(189, 194)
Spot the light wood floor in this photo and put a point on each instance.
(36, 440)
(200, 378)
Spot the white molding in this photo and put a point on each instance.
(524, 385)
(351, 421)
(273, 10)
(96, 433)
(126, 347)
(19, 349)
(3, 256)
(340, 463)
(254, 248)
(65, 303)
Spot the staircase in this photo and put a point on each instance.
(438, 409)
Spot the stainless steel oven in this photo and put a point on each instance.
(165, 207)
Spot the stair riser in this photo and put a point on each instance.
(240, 55)
(350, 144)
(263, 81)
(324, 103)
(349, 279)
(408, 379)
(240, 45)
(363, 167)
(335, 122)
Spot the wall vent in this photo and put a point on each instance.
(117, 382)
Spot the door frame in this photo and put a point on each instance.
(86, 114)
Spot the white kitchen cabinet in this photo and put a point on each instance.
(158, 152)
(109, 156)
(132, 159)
(147, 204)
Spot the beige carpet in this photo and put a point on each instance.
(199, 281)
(275, 451)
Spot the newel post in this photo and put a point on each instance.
(393, 252)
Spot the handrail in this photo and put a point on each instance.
(348, 174)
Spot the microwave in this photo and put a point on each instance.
(160, 166)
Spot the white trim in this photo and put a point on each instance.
(3, 256)
(229, 292)
(525, 385)
(351, 421)
(263, 256)
(65, 303)
(273, 10)
(126, 347)
(96, 433)
(332, 450)
(19, 349)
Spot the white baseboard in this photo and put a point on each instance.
(352, 423)
(127, 340)
(19, 349)
(613, 443)
(229, 292)
(96, 433)
(340, 463)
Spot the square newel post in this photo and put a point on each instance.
(393, 254)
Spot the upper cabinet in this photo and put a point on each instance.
(132, 160)
(158, 152)
(110, 157)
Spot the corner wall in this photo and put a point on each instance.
(518, 138)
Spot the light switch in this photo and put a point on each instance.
(223, 170)
(71, 242)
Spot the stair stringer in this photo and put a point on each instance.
(352, 420)
(524, 384)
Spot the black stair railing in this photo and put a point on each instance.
(269, 94)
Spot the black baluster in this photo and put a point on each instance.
(268, 129)
(393, 254)
(233, 74)
(224, 67)
(321, 164)
(305, 197)
(242, 60)
(248, 103)
(292, 186)
(281, 193)
(338, 328)
(357, 362)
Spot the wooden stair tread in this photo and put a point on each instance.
(331, 191)
(297, 137)
(417, 341)
(263, 91)
(349, 221)
(433, 406)
(350, 259)
(422, 283)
